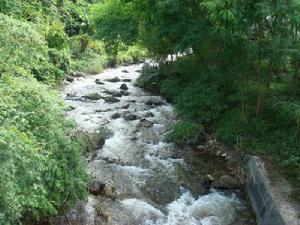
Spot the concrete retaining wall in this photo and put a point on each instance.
(261, 197)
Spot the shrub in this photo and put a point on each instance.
(55, 36)
(184, 132)
(42, 168)
(24, 51)
(132, 54)
(200, 101)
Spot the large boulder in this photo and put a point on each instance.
(227, 182)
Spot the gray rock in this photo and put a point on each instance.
(96, 188)
(113, 93)
(97, 81)
(126, 80)
(124, 87)
(70, 108)
(70, 79)
(149, 114)
(125, 106)
(154, 102)
(145, 123)
(113, 80)
(228, 182)
(129, 117)
(70, 96)
(93, 96)
(111, 99)
(138, 71)
(102, 110)
(116, 116)
(110, 192)
(125, 71)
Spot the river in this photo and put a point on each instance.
(156, 182)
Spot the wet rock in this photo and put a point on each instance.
(93, 96)
(102, 110)
(96, 188)
(97, 81)
(70, 79)
(126, 80)
(110, 192)
(125, 106)
(154, 102)
(71, 108)
(125, 71)
(111, 99)
(138, 71)
(129, 117)
(91, 141)
(116, 116)
(113, 93)
(132, 101)
(125, 93)
(124, 87)
(113, 80)
(71, 95)
(148, 114)
(145, 123)
(227, 182)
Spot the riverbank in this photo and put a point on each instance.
(154, 181)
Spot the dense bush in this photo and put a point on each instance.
(56, 36)
(42, 167)
(24, 51)
(184, 132)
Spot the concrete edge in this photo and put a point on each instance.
(260, 194)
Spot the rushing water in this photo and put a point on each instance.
(157, 183)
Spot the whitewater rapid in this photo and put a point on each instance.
(157, 182)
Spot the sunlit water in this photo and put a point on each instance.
(155, 184)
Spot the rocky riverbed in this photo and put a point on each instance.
(139, 178)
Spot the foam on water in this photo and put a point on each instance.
(212, 209)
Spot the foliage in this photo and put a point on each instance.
(42, 167)
(184, 132)
(56, 36)
(24, 51)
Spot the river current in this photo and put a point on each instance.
(156, 182)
